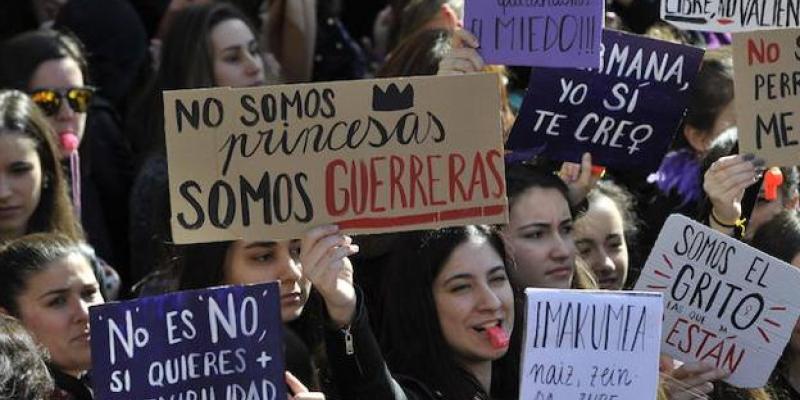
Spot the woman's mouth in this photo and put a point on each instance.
(292, 298)
(9, 211)
(560, 272)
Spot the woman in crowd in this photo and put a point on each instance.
(240, 262)
(539, 233)
(603, 234)
(452, 291)
(208, 45)
(47, 282)
(33, 192)
(23, 373)
(51, 67)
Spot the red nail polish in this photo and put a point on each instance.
(498, 337)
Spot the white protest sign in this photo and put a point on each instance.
(591, 345)
(726, 304)
(731, 15)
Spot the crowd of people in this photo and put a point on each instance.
(85, 206)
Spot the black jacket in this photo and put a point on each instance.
(363, 374)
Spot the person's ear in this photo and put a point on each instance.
(696, 138)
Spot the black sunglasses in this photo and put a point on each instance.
(49, 100)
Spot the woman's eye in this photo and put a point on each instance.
(534, 235)
(57, 301)
(21, 168)
(231, 58)
(89, 294)
(498, 279)
(263, 257)
(566, 229)
(459, 288)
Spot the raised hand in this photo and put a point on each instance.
(300, 391)
(691, 381)
(579, 178)
(725, 182)
(323, 254)
(462, 58)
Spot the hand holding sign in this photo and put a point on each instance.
(580, 178)
(300, 391)
(691, 380)
(463, 57)
(725, 182)
(324, 255)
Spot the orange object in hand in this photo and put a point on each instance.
(772, 179)
(598, 170)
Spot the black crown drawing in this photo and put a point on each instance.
(392, 99)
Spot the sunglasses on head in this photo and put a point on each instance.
(49, 100)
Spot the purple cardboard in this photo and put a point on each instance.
(547, 33)
(219, 343)
(624, 113)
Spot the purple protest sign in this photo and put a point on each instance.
(547, 33)
(625, 112)
(220, 343)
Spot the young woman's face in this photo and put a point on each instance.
(259, 262)
(54, 307)
(236, 56)
(539, 237)
(600, 239)
(20, 183)
(472, 293)
(61, 75)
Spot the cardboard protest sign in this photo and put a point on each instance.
(767, 84)
(625, 113)
(370, 155)
(588, 345)
(726, 304)
(731, 15)
(549, 33)
(220, 343)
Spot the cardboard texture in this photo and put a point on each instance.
(625, 113)
(581, 344)
(544, 33)
(767, 85)
(731, 15)
(726, 304)
(223, 343)
(371, 156)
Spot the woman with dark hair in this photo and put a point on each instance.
(449, 311)
(207, 45)
(52, 67)
(33, 195)
(23, 373)
(540, 230)
(604, 232)
(48, 283)
(240, 262)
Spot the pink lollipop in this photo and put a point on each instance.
(69, 140)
